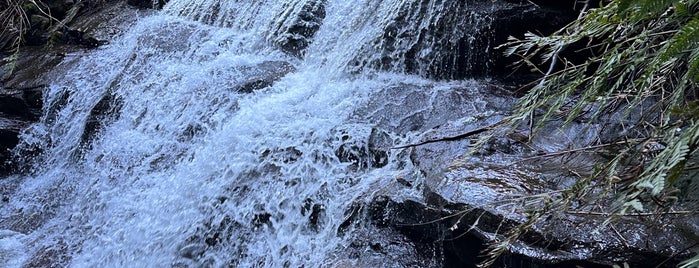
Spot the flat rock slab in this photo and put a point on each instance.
(496, 189)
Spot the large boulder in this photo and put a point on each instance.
(471, 201)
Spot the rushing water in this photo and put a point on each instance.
(183, 169)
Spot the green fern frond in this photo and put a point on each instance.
(693, 67)
(654, 8)
(685, 40)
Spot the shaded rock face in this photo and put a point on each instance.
(456, 39)
(404, 108)
(18, 108)
(378, 244)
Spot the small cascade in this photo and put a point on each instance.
(239, 133)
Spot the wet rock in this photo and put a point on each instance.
(54, 255)
(295, 30)
(192, 251)
(378, 244)
(21, 104)
(105, 110)
(9, 132)
(463, 205)
(31, 69)
(446, 235)
(421, 38)
(315, 213)
(362, 154)
(217, 236)
(403, 108)
(261, 75)
(476, 189)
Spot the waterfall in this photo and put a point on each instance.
(234, 133)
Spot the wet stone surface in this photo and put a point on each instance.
(488, 194)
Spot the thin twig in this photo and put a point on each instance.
(683, 212)
(623, 240)
(579, 149)
(452, 138)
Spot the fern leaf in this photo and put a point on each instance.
(686, 39)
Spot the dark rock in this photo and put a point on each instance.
(379, 244)
(22, 104)
(423, 39)
(447, 236)
(192, 251)
(54, 255)
(9, 137)
(216, 235)
(515, 21)
(32, 68)
(105, 110)
(261, 219)
(77, 37)
(295, 30)
(315, 213)
(464, 205)
(147, 3)
(275, 158)
(18, 109)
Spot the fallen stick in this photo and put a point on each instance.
(452, 138)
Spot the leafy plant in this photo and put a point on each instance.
(640, 73)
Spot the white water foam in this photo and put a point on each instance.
(185, 171)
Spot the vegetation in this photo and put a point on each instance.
(15, 22)
(639, 74)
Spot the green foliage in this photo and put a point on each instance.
(642, 59)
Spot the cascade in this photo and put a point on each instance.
(238, 133)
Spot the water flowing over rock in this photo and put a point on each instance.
(318, 133)
(450, 39)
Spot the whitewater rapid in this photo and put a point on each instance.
(176, 168)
